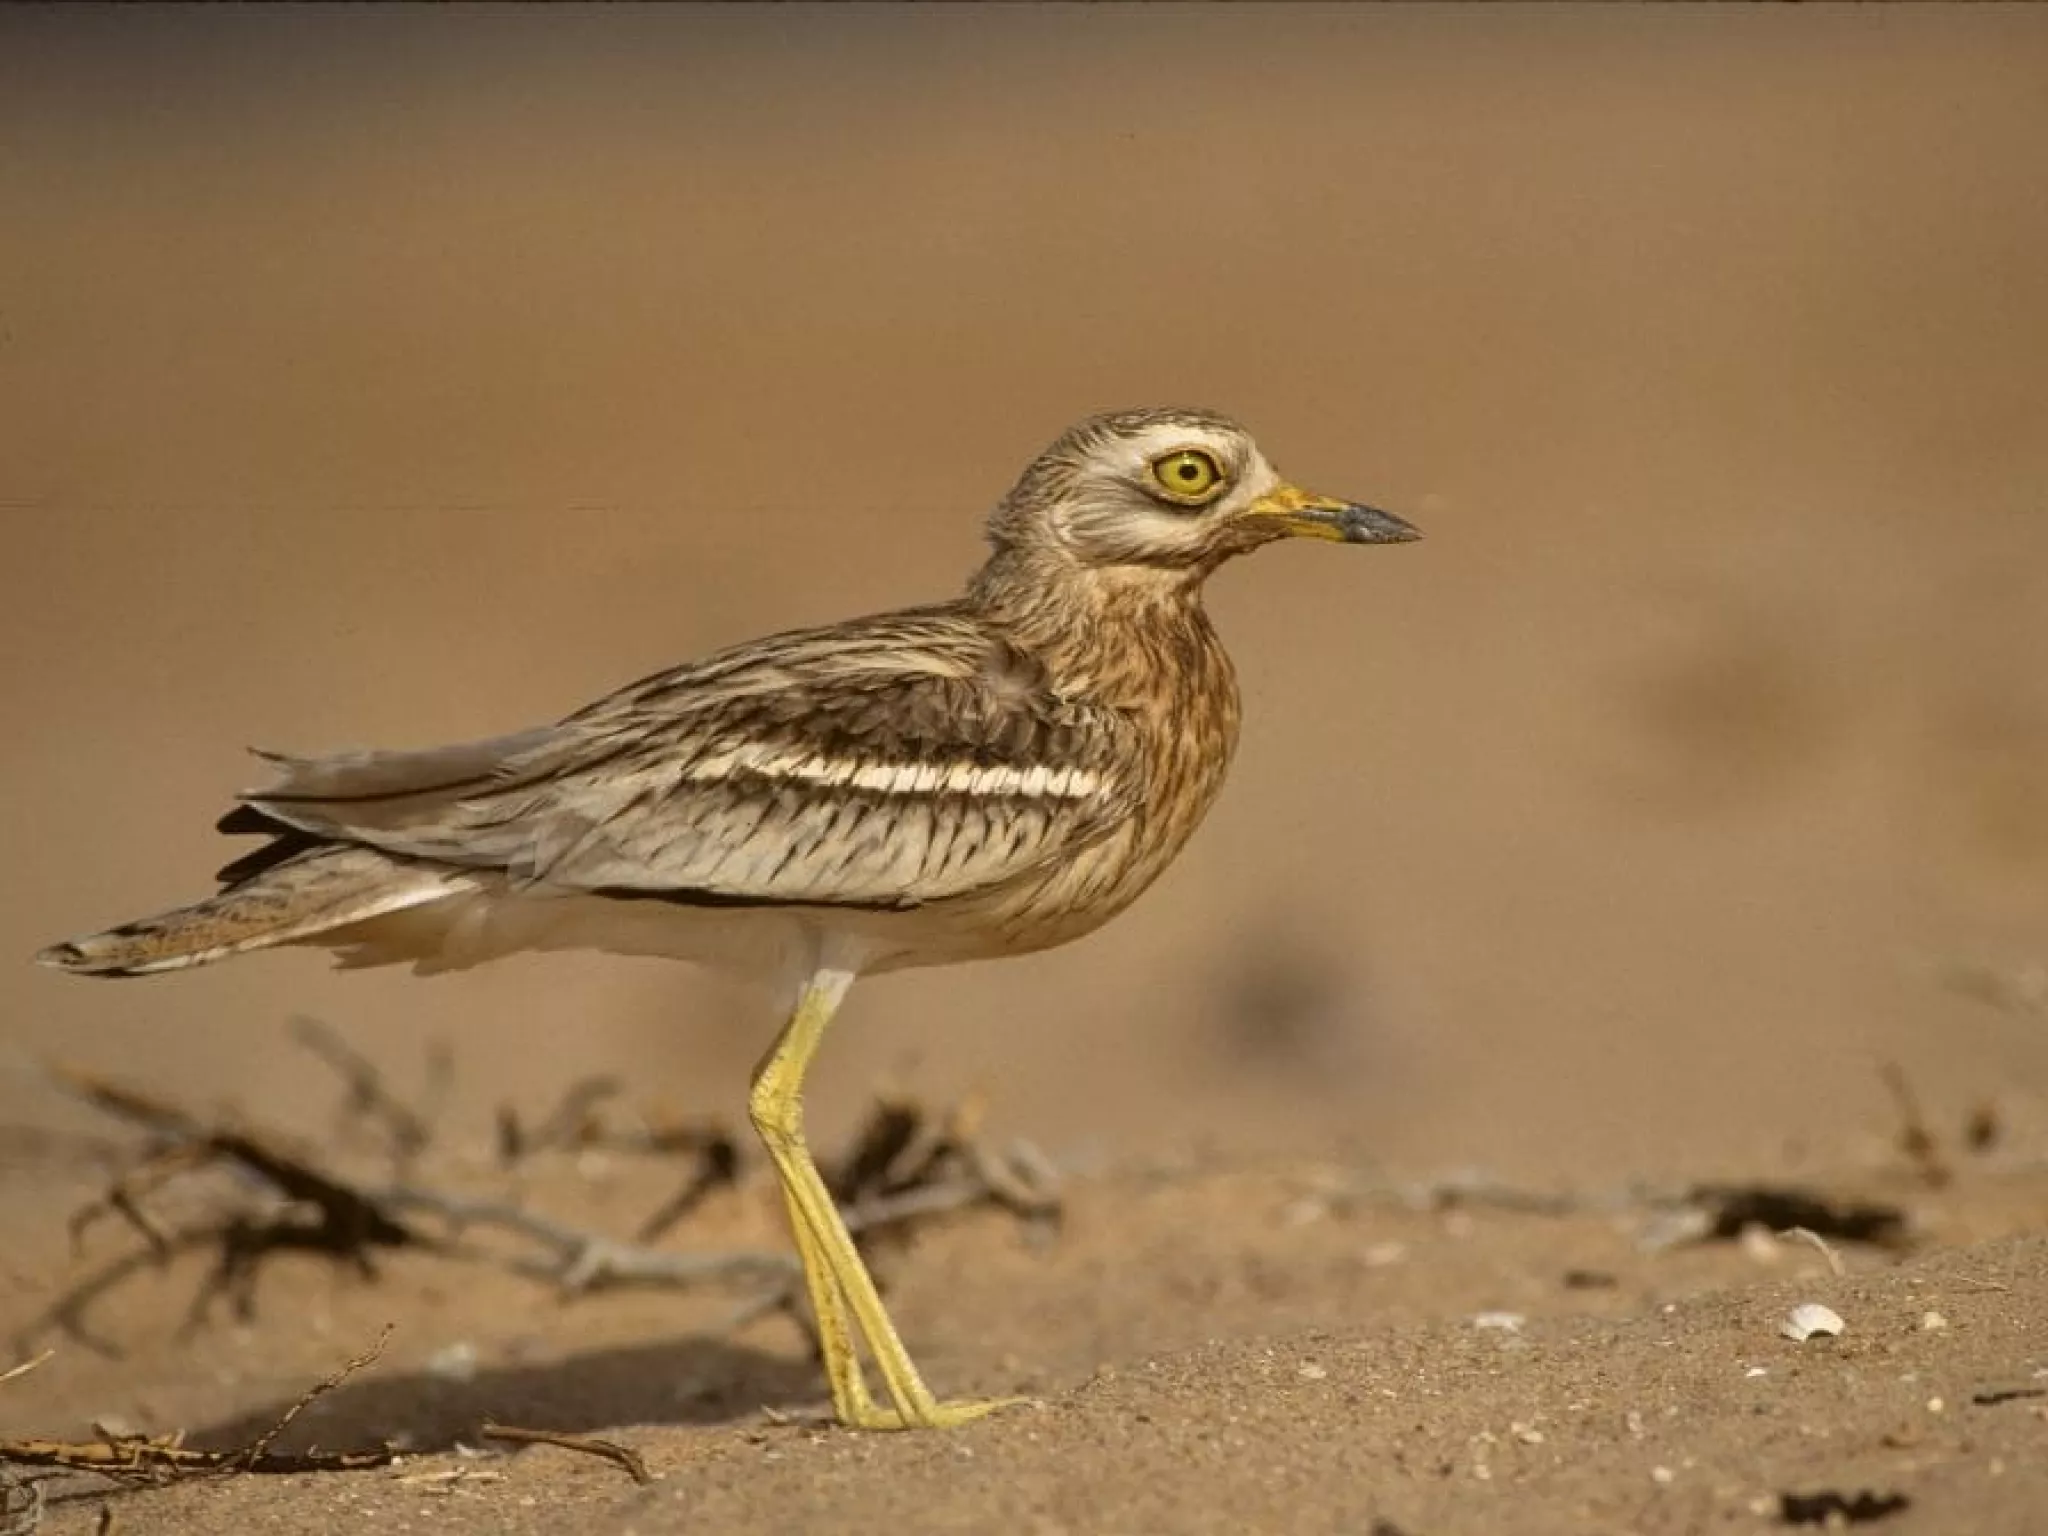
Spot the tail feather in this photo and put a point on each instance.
(318, 890)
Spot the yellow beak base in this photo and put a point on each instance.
(1308, 516)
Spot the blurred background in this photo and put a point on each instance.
(396, 377)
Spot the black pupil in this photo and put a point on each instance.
(1190, 470)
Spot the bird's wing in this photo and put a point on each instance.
(891, 762)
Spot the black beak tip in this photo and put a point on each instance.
(1369, 525)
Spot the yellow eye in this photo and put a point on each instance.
(1189, 475)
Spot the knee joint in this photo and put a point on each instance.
(777, 1117)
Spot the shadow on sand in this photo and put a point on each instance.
(686, 1381)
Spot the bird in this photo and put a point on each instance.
(989, 776)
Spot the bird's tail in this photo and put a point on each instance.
(313, 893)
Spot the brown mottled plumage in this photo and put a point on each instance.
(983, 777)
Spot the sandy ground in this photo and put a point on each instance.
(1210, 1345)
(402, 378)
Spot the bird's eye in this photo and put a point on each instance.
(1189, 475)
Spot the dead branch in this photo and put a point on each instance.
(906, 1167)
(903, 1168)
(879, 1157)
(718, 1167)
(569, 1126)
(351, 1220)
(144, 1461)
(580, 1260)
(16, 1372)
(320, 1212)
(405, 1131)
(577, 1124)
(1916, 1140)
(147, 1460)
(589, 1445)
(259, 1450)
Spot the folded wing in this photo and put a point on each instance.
(889, 764)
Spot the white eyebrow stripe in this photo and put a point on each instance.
(990, 780)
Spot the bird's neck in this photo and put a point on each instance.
(1128, 635)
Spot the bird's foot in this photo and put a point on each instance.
(933, 1414)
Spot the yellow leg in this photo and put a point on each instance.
(836, 1340)
(843, 1294)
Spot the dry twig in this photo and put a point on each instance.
(569, 1126)
(350, 1222)
(903, 1169)
(1916, 1140)
(406, 1132)
(1808, 1235)
(145, 1460)
(590, 1445)
(321, 1213)
(581, 1260)
(15, 1372)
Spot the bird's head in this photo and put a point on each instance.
(1177, 491)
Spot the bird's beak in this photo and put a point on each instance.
(1323, 517)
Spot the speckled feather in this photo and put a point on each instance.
(735, 778)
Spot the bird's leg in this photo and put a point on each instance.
(836, 1339)
(776, 1106)
(843, 1294)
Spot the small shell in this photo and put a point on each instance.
(1810, 1318)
